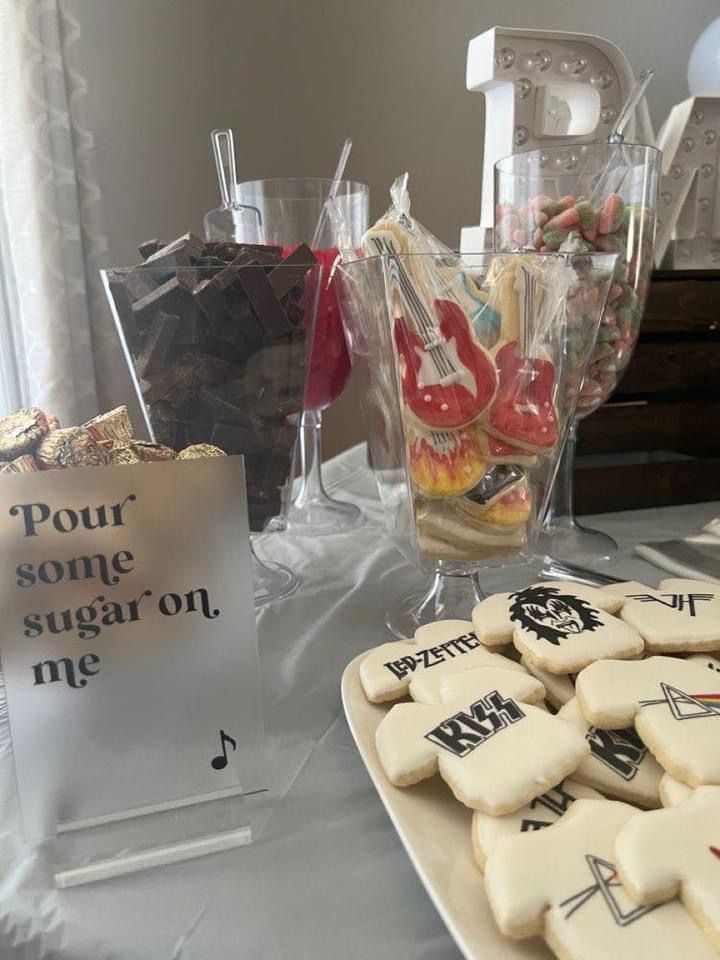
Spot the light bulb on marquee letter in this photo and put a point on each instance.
(689, 211)
(541, 88)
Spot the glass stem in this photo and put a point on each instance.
(562, 501)
(310, 448)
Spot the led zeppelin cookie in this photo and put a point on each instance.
(494, 625)
(560, 631)
(562, 884)
(443, 647)
(429, 687)
(495, 752)
(672, 791)
(674, 704)
(676, 852)
(541, 812)
(681, 615)
(620, 765)
(559, 688)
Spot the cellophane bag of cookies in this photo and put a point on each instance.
(474, 365)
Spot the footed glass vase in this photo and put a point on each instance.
(475, 366)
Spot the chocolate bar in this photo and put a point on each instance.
(217, 332)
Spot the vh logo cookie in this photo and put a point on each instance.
(439, 648)
(559, 630)
(674, 705)
(676, 852)
(681, 615)
(495, 751)
(620, 765)
(562, 883)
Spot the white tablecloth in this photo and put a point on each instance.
(327, 879)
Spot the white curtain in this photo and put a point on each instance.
(58, 347)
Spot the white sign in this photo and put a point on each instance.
(128, 647)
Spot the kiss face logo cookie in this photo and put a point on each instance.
(443, 647)
(676, 852)
(680, 615)
(560, 631)
(620, 765)
(562, 883)
(495, 752)
(541, 812)
(674, 704)
(495, 627)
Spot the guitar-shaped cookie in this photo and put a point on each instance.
(448, 378)
(523, 412)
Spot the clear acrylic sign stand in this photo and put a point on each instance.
(130, 662)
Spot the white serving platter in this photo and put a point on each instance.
(435, 830)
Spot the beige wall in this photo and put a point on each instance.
(294, 78)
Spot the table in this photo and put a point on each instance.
(327, 878)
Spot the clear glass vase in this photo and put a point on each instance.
(469, 495)
(585, 197)
(290, 210)
(219, 355)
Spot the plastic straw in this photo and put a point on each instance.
(332, 193)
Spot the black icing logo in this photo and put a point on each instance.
(551, 615)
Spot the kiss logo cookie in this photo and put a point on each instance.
(620, 765)
(559, 688)
(674, 704)
(443, 647)
(676, 852)
(494, 625)
(680, 615)
(672, 791)
(561, 632)
(495, 752)
(429, 687)
(562, 884)
(541, 812)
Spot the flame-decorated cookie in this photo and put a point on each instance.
(445, 463)
(556, 627)
(438, 648)
(559, 688)
(541, 812)
(676, 853)
(672, 791)
(674, 705)
(470, 736)
(681, 615)
(561, 883)
(620, 765)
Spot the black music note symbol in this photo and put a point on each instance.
(221, 761)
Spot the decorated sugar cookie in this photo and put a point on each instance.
(672, 791)
(558, 630)
(445, 463)
(495, 450)
(676, 852)
(495, 752)
(562, 884)
(620, 765)
(494, 624)
(559, 688)
(429, 687)
(541, 812)
(674, 704)
(706, 660)
(443, 647)
(680, 615)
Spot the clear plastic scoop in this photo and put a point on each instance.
(231, 220)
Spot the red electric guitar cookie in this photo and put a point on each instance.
(523, 412)
(448, 378)
(496, 450)
(445, 464)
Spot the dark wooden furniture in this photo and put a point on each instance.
(666, 409)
